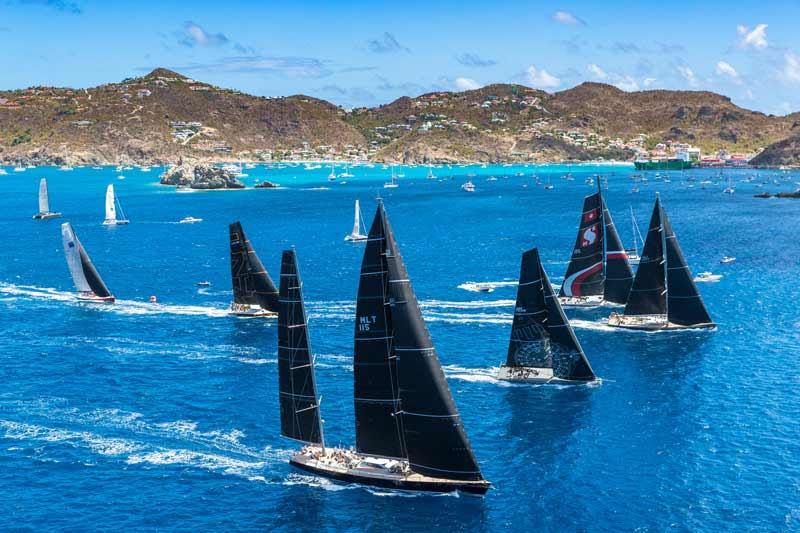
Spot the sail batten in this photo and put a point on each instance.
(299, 403)
(252, 284)
(433, 433)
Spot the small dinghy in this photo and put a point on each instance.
(89, 284)
(598, 270)
(356, 235)
(203, 283)
(664, 295)
(409, 435)
(190, 220)
(254, 293)
(726, 260)
(543, 347)
(111, 209)
(707, 277)
(468, 187)
(44, 203)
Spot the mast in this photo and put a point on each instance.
(84, 274)
(635, 230)
(376, 390)
(435, 440)
(300, 413)
(252, 284)
(44, 203)
(585, 272)
(111, 208)
(664, 253)
(684, 304)
(648, 292)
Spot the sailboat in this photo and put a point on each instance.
(356, 235)
(598, 270)
(44, 203)
(409, 435)
(543, 347)
(430, 175)
(254, 293)
(633, 253)
(393, 183)
(87, 281)
(346, 173)
(332, 175)
(663, 295)
(111, 209)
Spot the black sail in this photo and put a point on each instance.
(585, 274)
(435, 440)
(376, 391)
(529, 336)
(619, 276)
(648, 293)
(300, 416)
(92, 276)
(684, 304)
(251, 282)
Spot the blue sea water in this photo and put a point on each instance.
(141, 416)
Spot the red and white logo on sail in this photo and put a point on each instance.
(589, 216)
(589, 236)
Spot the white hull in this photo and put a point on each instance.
(250, 311)
(649, 323)
(90, 297)
(45, 216)
(116, 222)
(356, 238)
(580, 301)
(529, 374)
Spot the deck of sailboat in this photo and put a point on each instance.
(651, 323)
(250, 311)
(45, 216)
(351, 467)
(529, 374)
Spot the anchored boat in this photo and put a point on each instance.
(111, 209)
(254, 293)
(356, 235)
(409, 435)
(598, 270)
(663, 295)
(44, 203)
(543, 347)
(89, 284)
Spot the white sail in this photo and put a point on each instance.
(111, 208)
(72, 250)
(44, 204)
(357, 221)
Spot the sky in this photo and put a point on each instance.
(367, 53)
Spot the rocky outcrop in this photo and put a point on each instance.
(781, 153)
(200, 177)
(267, 185)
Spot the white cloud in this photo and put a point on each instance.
(596, 71)
(466, 84)
(791, 67)
(688, 75)
(755, 38)
(649, 82)
(726, 70)
(627, 83)
(565, 17)
(541, 79)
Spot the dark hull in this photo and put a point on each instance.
(396, 482)
(662, 327)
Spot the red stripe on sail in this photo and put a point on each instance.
(616, 255)
(576, 285)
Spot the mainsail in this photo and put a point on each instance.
(619, 276)
(648, 292)
(300, 416)
(357, 221)
(585, 273)
(251, 282)
(434, 437)
(84, 274)
(376, 390)
(111, 207)
(541, 336)
(44, 203)
(684, 304)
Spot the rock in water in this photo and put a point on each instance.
(200, 177)
(267, 185)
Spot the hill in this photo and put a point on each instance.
(164, 115)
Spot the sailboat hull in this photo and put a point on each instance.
(94, 298)
(580, 301)
(366, 470)
(651, 323)
(115, 222)
(356, 238)
(251, 311)
(527, 374)
(45, 216)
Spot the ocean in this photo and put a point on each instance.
(165, 416)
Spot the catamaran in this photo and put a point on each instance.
(254, 293)
(87, 281)
(664, 295)
(44, 203)
(598, 270)
(543, 347)
(356, 235)
(409, 435)
(112, 203)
